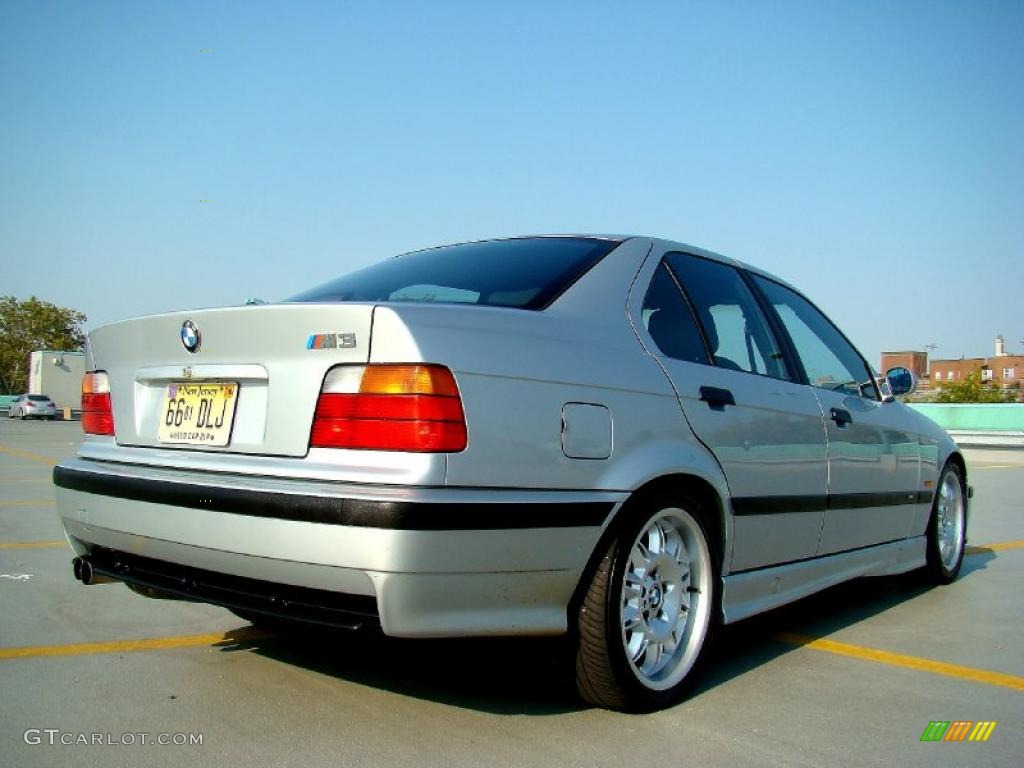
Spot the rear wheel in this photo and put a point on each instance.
(649, 610)
(947, 528)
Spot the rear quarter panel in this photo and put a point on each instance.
(517, 369)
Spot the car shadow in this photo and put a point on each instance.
(534, 676)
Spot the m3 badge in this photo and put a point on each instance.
(331, 341)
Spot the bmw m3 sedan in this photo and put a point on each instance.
(626, 440)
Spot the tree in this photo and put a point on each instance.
(30, 325)
(971, 390)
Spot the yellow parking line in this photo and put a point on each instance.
(997, 466)
(233, 637)
(901, 660)
(27, 503)
(994, 547)
(32, 544)
(17, 452)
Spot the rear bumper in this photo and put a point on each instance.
(40, 412)
(437, 561)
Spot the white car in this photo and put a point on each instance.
(625, 439)
(32, 407)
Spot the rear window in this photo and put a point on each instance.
(526, 273)
(39, 398)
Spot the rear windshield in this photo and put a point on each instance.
(527, 273)
(39, 398)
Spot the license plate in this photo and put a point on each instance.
(198, 413)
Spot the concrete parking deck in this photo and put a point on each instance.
(852, 676)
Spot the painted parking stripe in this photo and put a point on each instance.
(1013, 682)
(999, 547)
(234, 637)
(32, 544)
(18, 453)
(27, 503)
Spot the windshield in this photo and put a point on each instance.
(39, 398)
(526, 273)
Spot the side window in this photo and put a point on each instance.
(737, 332)
(828, 358)
(670, 322)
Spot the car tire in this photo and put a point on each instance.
(947, 527)
(648, 613)
(23, 416)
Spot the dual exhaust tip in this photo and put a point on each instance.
(85, 573)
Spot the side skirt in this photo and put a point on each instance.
(752, 592)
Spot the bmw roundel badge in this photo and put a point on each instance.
(190, 337)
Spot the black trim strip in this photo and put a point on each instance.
(359, 513)
(778, 505)
(862, 500)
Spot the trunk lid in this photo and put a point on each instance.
(276, 354)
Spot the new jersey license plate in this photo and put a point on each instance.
(198, 413)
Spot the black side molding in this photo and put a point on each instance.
(331, 510)
(777, 505)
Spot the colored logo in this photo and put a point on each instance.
(331, 341)
(190, 337)
(958, 730)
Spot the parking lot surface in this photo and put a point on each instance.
(852, 676)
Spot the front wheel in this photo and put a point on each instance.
(649, 610)
(947, 527)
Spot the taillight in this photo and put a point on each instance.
(97, 417)
(414, 408)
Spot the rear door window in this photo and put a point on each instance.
(670, 322)
(736, 330)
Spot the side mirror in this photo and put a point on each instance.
(901, 381)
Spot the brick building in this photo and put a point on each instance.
(1004, 371)
(1001, 369)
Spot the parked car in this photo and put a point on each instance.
(626, 439)
(32, 407)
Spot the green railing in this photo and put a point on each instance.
(986, 417)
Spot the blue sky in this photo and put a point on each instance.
(872, 153)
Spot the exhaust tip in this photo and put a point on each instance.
(84, 572)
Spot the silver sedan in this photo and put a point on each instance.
(32, 407)
(627, 440)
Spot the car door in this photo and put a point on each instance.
(740, 399)
(873, 452)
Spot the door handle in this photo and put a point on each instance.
(717, 398)
(841, 417)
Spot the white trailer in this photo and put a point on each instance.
(58, 374)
